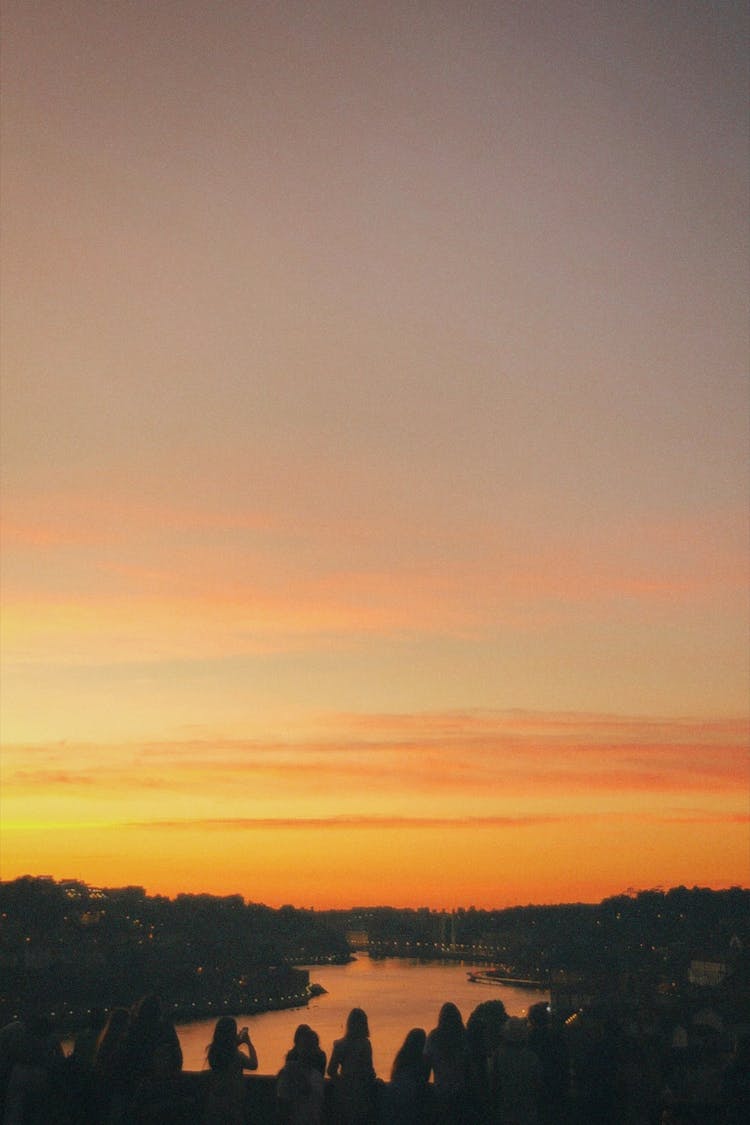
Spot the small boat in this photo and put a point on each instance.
(494, 976)
(485, 978)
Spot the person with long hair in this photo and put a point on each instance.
(307, 1041)
(151, 1042)
(353, 1073)
(484, 1030)
(447, 1055)
(300, 1085)
(225, 1102)
(110, 1087)
(405, 1100)
(516, 1078)
(35, 1088)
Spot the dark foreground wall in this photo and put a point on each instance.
(176, 1101)
(700, 1089)
(181, 1101)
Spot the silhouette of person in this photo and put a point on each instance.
(151, 1056)
(12, 1038)
(148, 1032)
(80, 1068)
(447, 1055)
(406, 1098)
(84, 1047)
(596, 1061)
(301, 1037)
(225, 1102)
(110, 1085)
(550, 1048)
(353, 1073)
(300, 1085)
(35, 1086)
(516, 1076)
(484, 1032)
(735, 1085)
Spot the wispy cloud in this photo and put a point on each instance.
(349, 822)
(393, 823)
(706, 818)
(249, 580)
(526, 756)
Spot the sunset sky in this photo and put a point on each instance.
(375, 447)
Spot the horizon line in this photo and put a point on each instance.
(629, 892)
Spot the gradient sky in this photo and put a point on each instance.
(375, 448)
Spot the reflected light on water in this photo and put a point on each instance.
(397, 995)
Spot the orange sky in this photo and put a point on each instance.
(439, 809)
(375, 449)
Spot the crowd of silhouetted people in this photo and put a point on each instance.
(126, 1068)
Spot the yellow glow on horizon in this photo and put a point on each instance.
(402, 866)
(441, 808)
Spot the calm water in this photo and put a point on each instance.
(397, 995)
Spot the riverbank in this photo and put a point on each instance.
(70, 1024)
(396, 994)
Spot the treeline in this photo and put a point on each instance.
(79, 947)
(670, 927)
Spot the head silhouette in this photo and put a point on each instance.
(450, 1026)
(449, 1018)
(411, 1052)
(224, 1043)
(225, 1031)
(356, 1025)
(485, 1025)
(306, 1042)
(539, 1015)
(147, 1012)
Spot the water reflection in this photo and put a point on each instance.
(396, 995)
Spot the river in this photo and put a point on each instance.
(396, 994)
